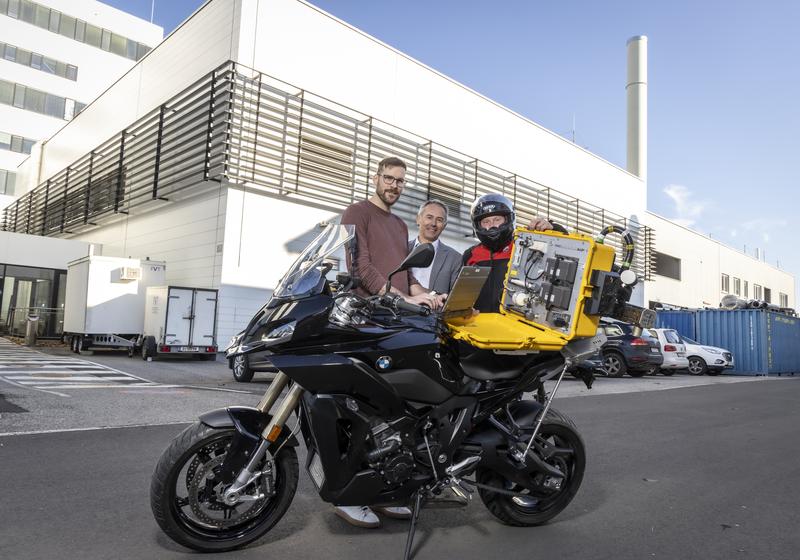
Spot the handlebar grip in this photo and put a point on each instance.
(399, 304)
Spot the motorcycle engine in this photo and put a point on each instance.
(390, 457)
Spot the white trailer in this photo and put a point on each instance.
(104, 300)
(180, 320)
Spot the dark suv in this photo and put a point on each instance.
(624, 353)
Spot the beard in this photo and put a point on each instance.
(382, 194)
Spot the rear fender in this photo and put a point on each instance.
(248, 423)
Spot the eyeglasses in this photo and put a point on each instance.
(392, 180)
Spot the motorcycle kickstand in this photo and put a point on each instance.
(413, 527)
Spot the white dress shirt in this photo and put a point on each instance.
(423, 275)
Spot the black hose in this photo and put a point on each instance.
(629, 246)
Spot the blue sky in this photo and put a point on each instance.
(724, 90)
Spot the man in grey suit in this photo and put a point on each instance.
(443, 271)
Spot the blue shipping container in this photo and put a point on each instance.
(681, 321)
(762, 342)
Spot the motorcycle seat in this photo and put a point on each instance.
(486, 365)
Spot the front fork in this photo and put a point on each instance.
(270, 435)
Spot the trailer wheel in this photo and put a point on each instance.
(148, 347)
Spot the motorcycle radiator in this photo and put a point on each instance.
(549, 295)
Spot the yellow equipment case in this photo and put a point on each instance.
(552, 294)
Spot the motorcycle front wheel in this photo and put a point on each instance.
(186, 497)
(559, 434)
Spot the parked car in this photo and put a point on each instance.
(706, 359)
(245, 366)
(673, 349)
(593, 364)
(625, 353)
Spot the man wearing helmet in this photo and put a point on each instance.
(493, 220)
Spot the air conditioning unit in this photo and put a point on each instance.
(126, 274)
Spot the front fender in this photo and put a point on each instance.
(249, 423)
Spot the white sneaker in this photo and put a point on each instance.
(395, 512)
(360, 516)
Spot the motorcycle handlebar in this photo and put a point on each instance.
(399, 304)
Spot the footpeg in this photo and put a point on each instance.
(461, 466)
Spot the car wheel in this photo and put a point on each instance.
(614, 364)
(241, 370)
(697, 366)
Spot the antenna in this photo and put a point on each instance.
(573, 128)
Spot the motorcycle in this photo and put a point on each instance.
(396, 406)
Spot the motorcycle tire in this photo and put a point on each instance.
(188, 510)
(536, 510)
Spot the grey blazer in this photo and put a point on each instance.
(445, 268)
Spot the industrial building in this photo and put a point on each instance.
(56, 56)
(222, 151)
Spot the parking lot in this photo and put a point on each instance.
(681, 466)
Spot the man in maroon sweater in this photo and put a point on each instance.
(382, 240)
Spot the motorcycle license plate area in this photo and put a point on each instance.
(552, 270)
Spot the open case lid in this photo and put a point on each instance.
(540, 326)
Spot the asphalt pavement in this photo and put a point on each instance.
(702, 471)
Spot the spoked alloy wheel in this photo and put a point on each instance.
(614, 365)
(564, 450)
(241, 369)
(697, 366)
(186, 494)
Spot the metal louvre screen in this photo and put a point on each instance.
(252, 130)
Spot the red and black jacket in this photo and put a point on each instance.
(479, 255)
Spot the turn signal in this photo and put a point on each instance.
(639, 342)
(273, 434)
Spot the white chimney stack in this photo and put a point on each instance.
(636, 92)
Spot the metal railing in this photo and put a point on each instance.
(256, 132)
(50, 324)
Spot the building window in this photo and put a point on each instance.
(15, 143)
(784, 300)
(737, 286)
(726, 283)
(746, 294)
(7, 179)
(756, 291)
(68, 26)
(667, 266)
(767, 295)
(37, 101)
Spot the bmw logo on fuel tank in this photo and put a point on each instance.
(383, 363)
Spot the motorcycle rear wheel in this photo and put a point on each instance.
(559, 430)
(184, 494)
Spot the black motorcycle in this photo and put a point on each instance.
(392, 411)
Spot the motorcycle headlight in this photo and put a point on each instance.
(280, 334)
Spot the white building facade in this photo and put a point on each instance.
(693, 270)
(223, 150)
(56, 56)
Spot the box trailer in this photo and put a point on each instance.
(104, 300)
(179, 320)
